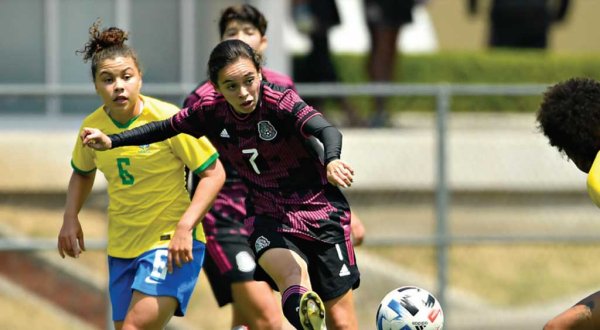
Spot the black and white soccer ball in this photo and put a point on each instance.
(409, 308)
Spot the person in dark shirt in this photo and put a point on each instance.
(300, 219)
(315, 19)
(385, 19)
(522, 23)
(569, 116)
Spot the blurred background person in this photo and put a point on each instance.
(315, 18)
(384, 20)
(521, 23)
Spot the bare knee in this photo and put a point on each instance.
(268, 322)
(571, 319)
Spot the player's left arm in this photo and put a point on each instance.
(339, 173)
(180, 250)
(200, 155)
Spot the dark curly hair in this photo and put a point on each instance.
(569, 116)
(106, 44)
(244, 13)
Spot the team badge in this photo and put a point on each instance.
(261, 243)
(144, 149)
(266, 130)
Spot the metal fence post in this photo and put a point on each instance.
(442, 194)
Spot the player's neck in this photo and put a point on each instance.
(125, 116)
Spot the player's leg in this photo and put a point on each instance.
(284, 265)
(121, 275)
(334, 274)
(158, 295)
(289, 271)
(341, 312)
(255, 305)
(229, 268)
(149, 312)
(582, 316)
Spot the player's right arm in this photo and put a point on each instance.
(146, 134)
(70, 237)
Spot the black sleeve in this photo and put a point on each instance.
(145, 134)
(330, 136)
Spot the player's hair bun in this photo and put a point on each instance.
(100, 40)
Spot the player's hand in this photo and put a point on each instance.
(339, 173)
(70, 238)
(95, 139)
(180, 249)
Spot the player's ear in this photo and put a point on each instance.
(262, 46)
(215, 86)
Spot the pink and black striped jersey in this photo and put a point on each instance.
(228, 211)
(266, 146)
(273, 156)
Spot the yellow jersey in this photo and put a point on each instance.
(146, 184)
(593, 181)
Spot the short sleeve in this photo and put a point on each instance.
(82, 158)
(197, 154)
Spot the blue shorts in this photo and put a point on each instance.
(148, 275)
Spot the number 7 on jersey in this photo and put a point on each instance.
(253, 152)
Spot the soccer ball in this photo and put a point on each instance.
(409, 308)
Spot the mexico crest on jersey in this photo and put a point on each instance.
(266, 130)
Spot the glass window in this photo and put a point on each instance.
(22, 42)
(76, 17)
(21, 53)
(154, 34)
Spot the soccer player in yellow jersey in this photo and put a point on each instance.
(569, 116)
(155, 243)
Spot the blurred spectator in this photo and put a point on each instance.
(384, 21)
(522, 23)
(314, 18)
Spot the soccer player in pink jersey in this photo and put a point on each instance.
(229, 264)
(300, 219)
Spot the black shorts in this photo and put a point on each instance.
(332, 268)
(229, 260)
(391, 13)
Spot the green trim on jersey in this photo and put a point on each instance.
(146, 184)
(80, 171)
(127, 124)
(204, 166)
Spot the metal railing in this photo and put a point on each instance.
(443, 94)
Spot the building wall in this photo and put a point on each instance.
(458, 31)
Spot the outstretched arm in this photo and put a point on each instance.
(339, 173)
(145, 134)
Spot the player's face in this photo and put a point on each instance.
(247, 33)
(118, 82)
(239, 82)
